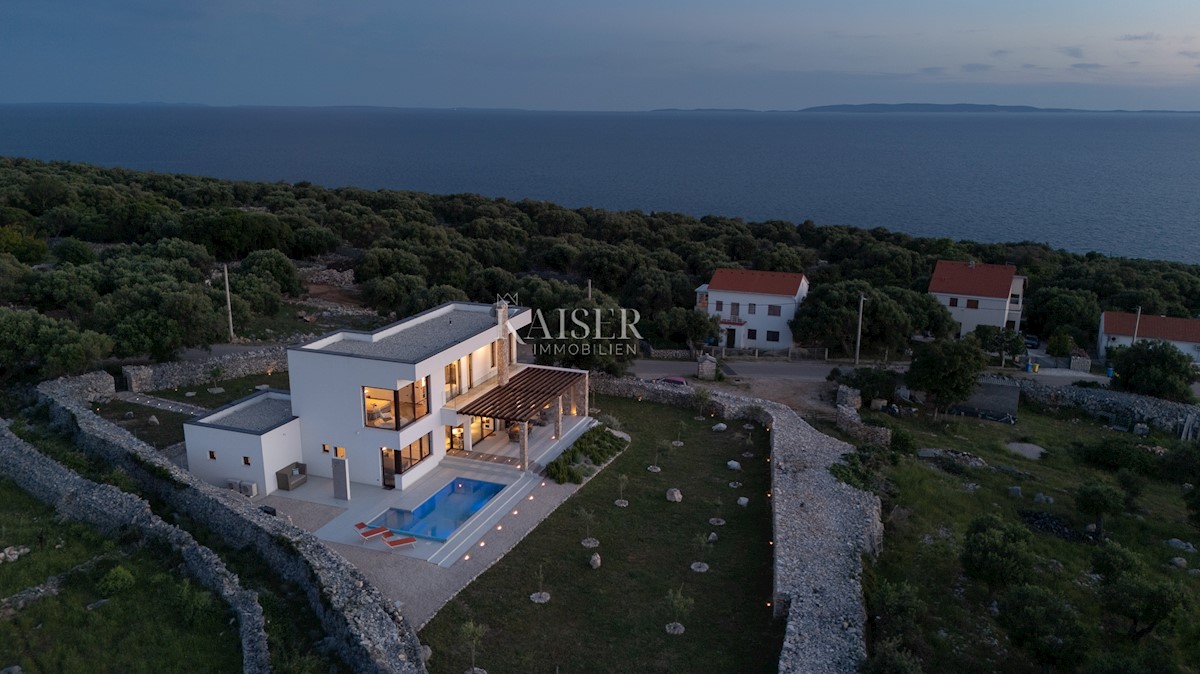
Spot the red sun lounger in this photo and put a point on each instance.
(368, 533)
(392, 541)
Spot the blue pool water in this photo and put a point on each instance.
(439, 515)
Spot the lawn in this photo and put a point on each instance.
(613, 619)
(929, 509)
(136, 419)
(234, 389)
(160, 623)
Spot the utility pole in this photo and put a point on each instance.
(228, 304)
(1136, 324)
(862, 297)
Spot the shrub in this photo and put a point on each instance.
(1117, 454)
(994, 551)
(903, 442)
(891, 658)
(117, 580)
(1044, 624)
(872, 382)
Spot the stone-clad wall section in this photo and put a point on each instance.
(1162, 414)
(367, 630)
(112, 511)
(195, 372)
(822, 527)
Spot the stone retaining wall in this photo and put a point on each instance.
(851, 424)
(848, 396)
(821, 526)
(1162, 414)
(112, 511)
(195, 372)
(366, 630)
(671, 354)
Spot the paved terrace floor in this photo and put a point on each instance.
(422, 578)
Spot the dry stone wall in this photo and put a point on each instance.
(821, 526)
(1162, 414)
(368, 632)
(113, 511)
(849, 400)
(140, 378)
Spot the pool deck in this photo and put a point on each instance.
(425, 576)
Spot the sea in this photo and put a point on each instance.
(1123, 184)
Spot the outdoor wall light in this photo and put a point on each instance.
(482, 543)
(531, 497)
(499, 528)
(515, 512)
(466, 558)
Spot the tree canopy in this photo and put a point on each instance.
(1153, 368)
(947, 370)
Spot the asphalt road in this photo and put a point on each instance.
(804, 370)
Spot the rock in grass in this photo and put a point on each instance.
(743, 501)
(595, 560)
(733, 465)
(153, 420)
(674, 495)
(719, 428)
(1181, 545)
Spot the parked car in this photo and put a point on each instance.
(1031, 342)
(673, 381)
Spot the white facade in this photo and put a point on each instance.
(381, 400)
(328, 394)
(244, 442)
(751, 320)
(974, 310)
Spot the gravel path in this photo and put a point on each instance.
(161, 403)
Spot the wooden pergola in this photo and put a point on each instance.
(526, 394)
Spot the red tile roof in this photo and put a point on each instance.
(1152, 327)
(972, 278)
(750, 281)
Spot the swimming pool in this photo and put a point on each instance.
(439, 515)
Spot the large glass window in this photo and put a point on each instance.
(452, 387)
(412, 454)
(393, 410)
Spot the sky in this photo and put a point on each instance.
(610, 55)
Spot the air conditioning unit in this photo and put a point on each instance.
(235, 485)
(249, 488)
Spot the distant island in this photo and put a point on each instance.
(922, 107)
(953, 107)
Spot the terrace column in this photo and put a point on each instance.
(558, 409)
(525, 445)
(502, 355)
(586, 395)
(467, 440)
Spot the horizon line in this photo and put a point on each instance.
(831, 107)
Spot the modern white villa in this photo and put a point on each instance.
(754, 307)
(979, 294)
(382, 410)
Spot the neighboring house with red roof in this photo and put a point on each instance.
(754, 307)
(1120, 328)
(979, 294)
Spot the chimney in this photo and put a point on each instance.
(502, 354)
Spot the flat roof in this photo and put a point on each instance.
(256, 413)
(416, 338)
